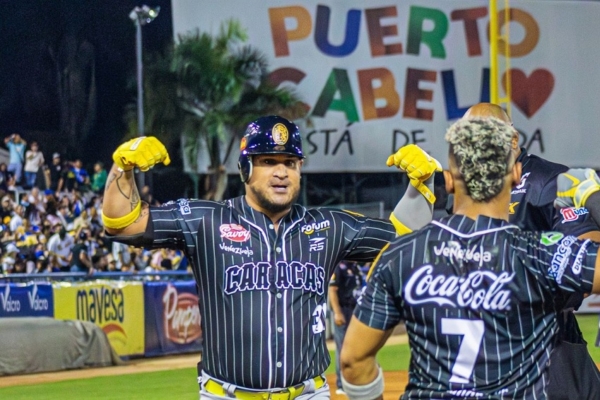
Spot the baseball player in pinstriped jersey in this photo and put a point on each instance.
(478, 295)
(262, 263)
(573, 373)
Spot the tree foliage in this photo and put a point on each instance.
(207, 88)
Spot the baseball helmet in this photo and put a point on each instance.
(268, 135)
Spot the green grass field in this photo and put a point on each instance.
(181, 383)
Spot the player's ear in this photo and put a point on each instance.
(448, 182)
(516, 173)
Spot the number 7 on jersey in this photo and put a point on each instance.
(472, 330)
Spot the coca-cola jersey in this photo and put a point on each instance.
(263, 293)
(478, 299)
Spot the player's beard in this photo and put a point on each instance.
(274, 207)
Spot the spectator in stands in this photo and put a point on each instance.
(99, 178)
(83, 221)
(82, 176)
(140, 258)
(60, 245)
(16, 147)
(6, 179)
(80, 258)
(34, 160)
(65, 216)
(16, 218)
(9, 258)
(6, 207)
(54, 173)
(122, 255)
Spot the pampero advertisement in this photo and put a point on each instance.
(173, 321)
(26, 300)
(380, 74)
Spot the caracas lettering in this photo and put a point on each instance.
(100, 305)
(478, 289)
(293, 275)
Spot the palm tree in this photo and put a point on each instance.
(205, 90)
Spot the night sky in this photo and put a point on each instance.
(34, 34)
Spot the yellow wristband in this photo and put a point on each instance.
(125, 220)
(401, 229)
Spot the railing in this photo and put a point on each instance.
(82, 276)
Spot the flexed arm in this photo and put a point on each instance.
(122, 210)
(415, 208)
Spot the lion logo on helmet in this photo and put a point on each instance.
(280, 134)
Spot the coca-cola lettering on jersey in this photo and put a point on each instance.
(234, 232)
(478, 289)
(455, 253)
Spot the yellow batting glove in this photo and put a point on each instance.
(143, 152)
(418, 165)
(575, 186)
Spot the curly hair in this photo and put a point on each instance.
(482, 150)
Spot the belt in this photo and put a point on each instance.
(289, 393)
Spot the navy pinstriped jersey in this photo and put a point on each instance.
(532, 201)
(263, 294)
(478, 299)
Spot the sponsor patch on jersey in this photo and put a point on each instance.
(309, 229)
(280, 134)
(550, 238)
(316, 244)
(571, 214)
(512, 206)
(560, 259)
(184, 207)
(577, 264)
(234, 232)
(452, 252)
(520, 188)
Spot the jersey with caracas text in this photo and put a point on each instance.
(263, 293)
(477, 298)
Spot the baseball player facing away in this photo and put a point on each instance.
(478, 295)
(573, 373)
(262, 263)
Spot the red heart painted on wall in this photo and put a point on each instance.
(530, 93)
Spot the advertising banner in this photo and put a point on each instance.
(26, 300)
(380, 74)
(172, 318)
(116, 306)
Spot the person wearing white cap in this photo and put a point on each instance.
(9, 258)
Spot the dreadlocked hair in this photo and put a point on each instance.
(482, 150)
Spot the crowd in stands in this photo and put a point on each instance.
(50, 219)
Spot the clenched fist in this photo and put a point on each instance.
(143, 152)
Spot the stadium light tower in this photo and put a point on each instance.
(141, 16)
